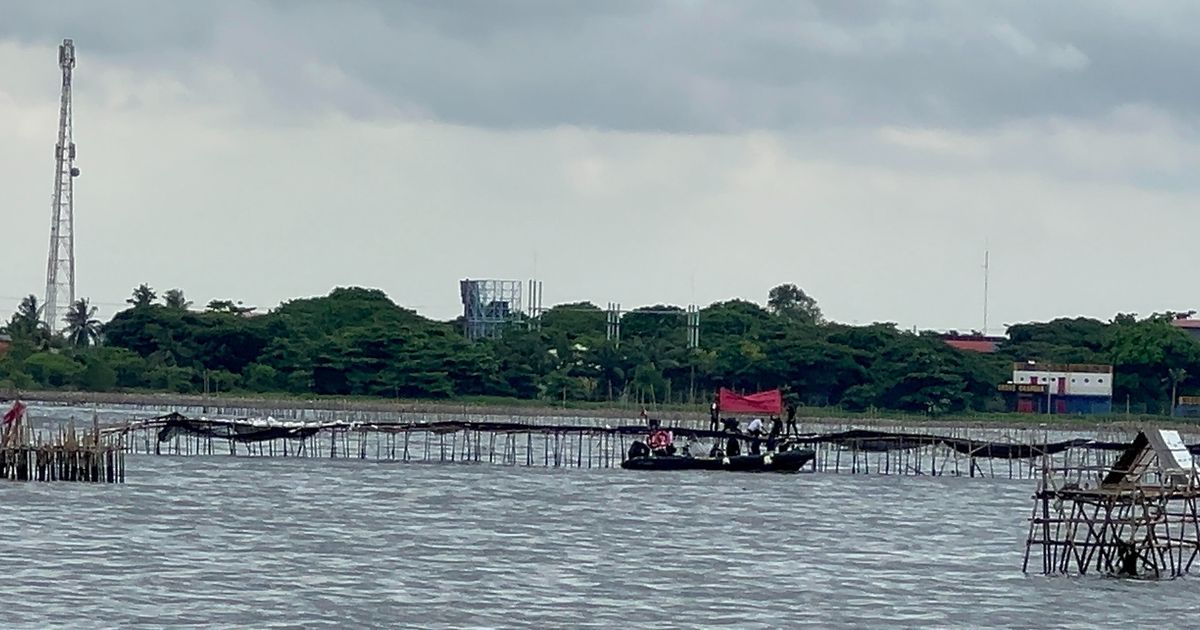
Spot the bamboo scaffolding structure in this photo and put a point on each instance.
(1136, 521)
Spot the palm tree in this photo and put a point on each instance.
(1176, 376)
(26, 323)
(82, 326)
(174, 300)
(143, 295)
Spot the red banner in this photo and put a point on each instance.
(769, 402)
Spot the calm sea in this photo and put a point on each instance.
(247, 542)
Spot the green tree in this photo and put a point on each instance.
(229, 306)
(734, 321)
(257, 377)
(607, 360)
(128, 368)
(98, 376)
(221, 381)
(790, 301)
(578, 321)
(649, 383)
(562, 385)
(53, 370)
(174, 299)
(176, 379)
(26, 322)
(1143, 353)
(83, 329)
(655, 322)
(357, 341)
(143, 296)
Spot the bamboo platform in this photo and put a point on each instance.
(65, 454)
(1139, 518)
(925, 451)
(63, 462)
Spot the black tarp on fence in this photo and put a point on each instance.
(243, 430)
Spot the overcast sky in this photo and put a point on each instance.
(627, 151)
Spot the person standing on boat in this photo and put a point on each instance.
(776, 431)
(791, 419)
(714, 417)
(755, 431)
(732, 430)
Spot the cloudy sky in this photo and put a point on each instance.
(640, 152)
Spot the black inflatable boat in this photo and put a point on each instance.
(787, 461)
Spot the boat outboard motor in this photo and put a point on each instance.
(638, 449)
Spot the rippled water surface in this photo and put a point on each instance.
(222, 541)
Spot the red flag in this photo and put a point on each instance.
(768, 402)
(18, 410)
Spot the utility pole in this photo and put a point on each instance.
(986, 273)
(60, 266)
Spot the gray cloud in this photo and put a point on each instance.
(289, 147)
(676, 66)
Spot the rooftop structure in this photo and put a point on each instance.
(1188, 325)
(974, 342)
(489, 306)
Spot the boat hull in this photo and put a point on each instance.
(788, 461)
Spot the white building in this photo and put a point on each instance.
(1062, 387)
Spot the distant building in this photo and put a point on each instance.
(1188, 407)
(1188, 325)
(5, 343)
(1059, 388)
(974, 342)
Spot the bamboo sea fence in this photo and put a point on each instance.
(58, 453)
(558, 442)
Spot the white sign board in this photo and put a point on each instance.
(1180, 456)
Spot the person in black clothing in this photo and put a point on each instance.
(714, 417)
(733, 447)
(776, 430)
(791, 419)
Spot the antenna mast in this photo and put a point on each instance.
(986, 273)
(60, 268)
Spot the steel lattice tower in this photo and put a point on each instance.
(60, 268)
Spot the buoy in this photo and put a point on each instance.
(725, 461)
(767, 460)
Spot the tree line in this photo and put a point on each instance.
(358, 342)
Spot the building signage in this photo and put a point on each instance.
(1022, 388)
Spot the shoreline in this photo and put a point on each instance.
(631, 413)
